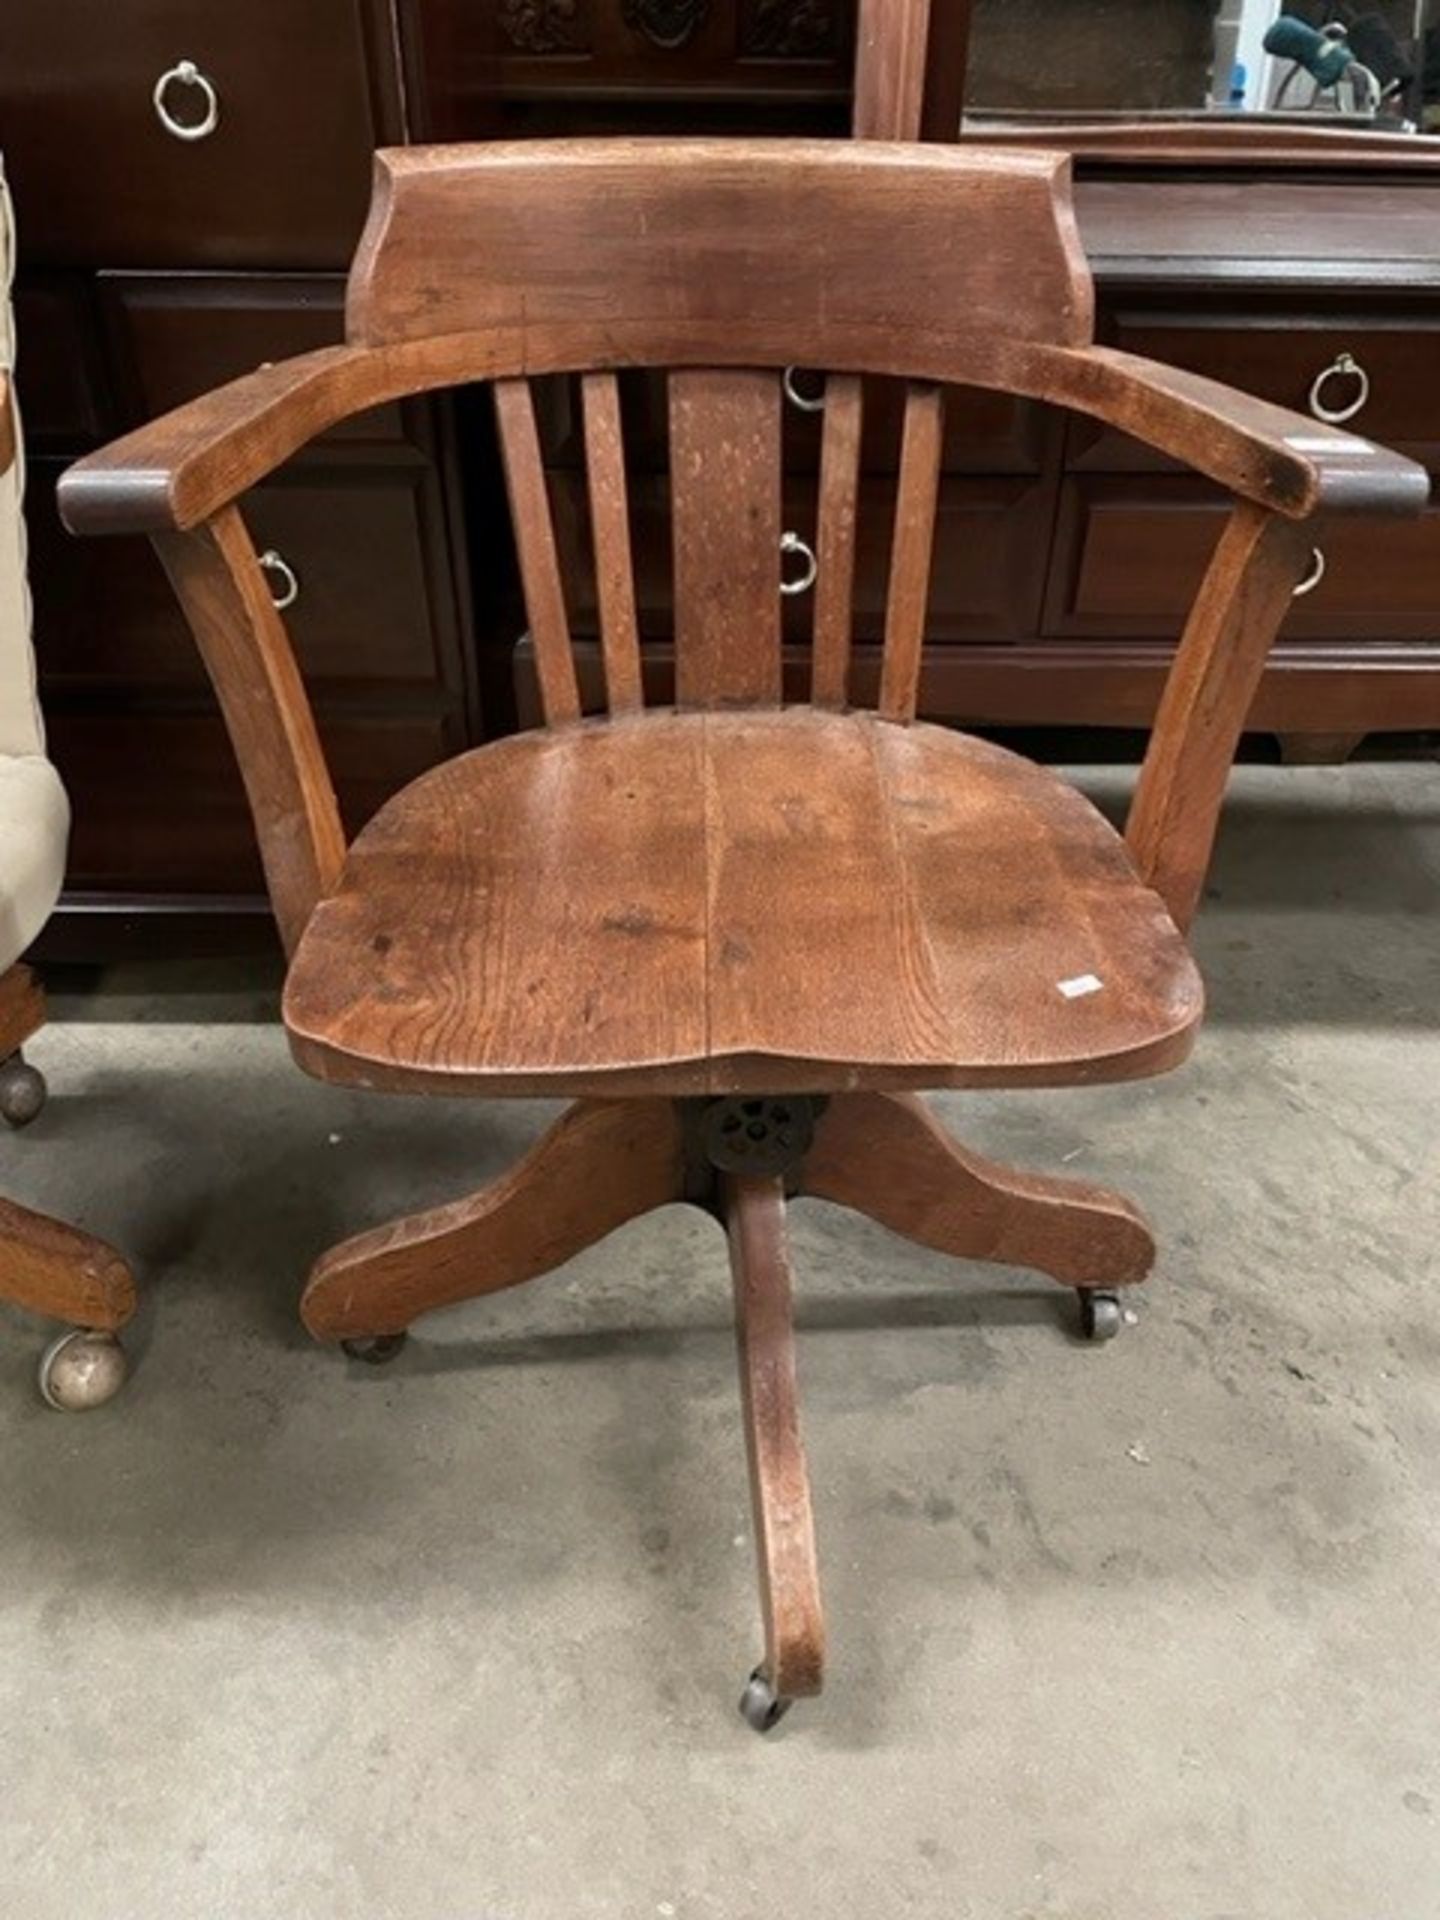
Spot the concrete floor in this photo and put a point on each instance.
(1139, 1633)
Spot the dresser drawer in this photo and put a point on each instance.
(985, 583)
(1130, 555)
(175, 336)
(361, 549)
(158, 803)
(283, 179)
(1279, 357)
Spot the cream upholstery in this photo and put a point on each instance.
(34, 814)
(34, 827)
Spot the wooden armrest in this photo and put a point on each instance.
(7, 425)
(182, 468)
(1282, 460)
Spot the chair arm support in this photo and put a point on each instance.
(1282, 460)
(181, 469)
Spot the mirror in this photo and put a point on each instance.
(1370, 63)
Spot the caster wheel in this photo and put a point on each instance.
(81, 1370)
(375, 1349)
(22, 1091)
(760, 1706)
(1100, 1315)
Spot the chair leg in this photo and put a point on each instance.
(885, 1155)
(59, 1271)
(22, 1012)
(780, 1488)
(603, 1162)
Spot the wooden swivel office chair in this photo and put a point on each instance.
(741, 930)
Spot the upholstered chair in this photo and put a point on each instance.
(50, 1268)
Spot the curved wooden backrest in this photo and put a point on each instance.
(720, 261)
(717, 252)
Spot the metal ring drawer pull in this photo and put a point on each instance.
(805, 579)
(185, 73)
(289, 592)
(1344, 367)
(1314, 576)
(807, 403)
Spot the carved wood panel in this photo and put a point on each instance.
(546, 26)
(793, 29)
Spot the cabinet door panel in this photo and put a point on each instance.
(283, 180)
(105, 614)
(1130, 556)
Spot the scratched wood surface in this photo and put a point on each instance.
(725, 509)
(780, 1502)
(55, 1269)
(680, 903)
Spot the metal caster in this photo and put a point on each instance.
(375, 1349)
(22, 1091)
(81, 1369)
(760, 1706)
(1100, 1315)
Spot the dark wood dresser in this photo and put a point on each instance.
(154, 266)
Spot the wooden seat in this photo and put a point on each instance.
(741, 932)
(790, 900)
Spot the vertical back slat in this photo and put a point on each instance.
(835, 542)
(725, 491)
(610, 526)
(535, 542)
(910, 555)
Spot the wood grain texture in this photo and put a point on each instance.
(242, 638)
(601, 1164)
(546, 892)
(535, 544)
(610, 529)
(835, 542)
(59, 1271)
(890, 46)
(716, 902)
(715, 233)
(887, 1156)
(725, 514)
(779, 1482)
(912, 550)
(1176, 809)
(22, 1008)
